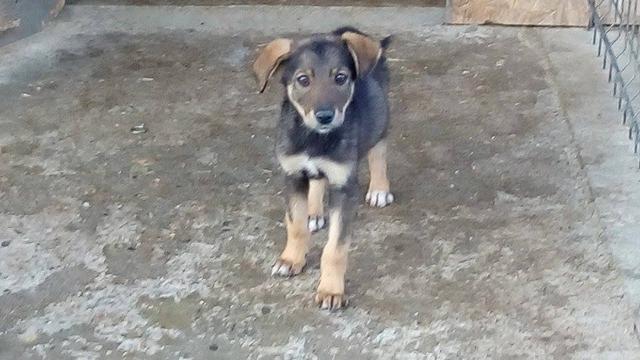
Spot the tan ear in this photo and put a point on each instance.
(365, 51)
(269, 59)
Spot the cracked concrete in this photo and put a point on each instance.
(158, 245)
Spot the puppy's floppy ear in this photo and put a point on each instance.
(269, 59)
(365, 51)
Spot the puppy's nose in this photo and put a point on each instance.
(324, 117)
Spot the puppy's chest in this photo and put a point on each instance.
(336, 173)
(301, 163)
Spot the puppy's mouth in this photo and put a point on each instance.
(324, 129)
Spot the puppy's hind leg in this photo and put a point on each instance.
(316, 197)
(379, 194)
(293, 258)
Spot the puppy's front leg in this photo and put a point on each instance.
(316, 195)
(333, 264)
(293, 258)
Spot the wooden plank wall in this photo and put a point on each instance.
(519, 12)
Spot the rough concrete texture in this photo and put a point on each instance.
(19, 19)
(158, 245)
(390, 3)
(606, 153)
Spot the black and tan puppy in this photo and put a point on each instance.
(334, 113)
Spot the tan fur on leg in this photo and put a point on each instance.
(293, 258)
(333, 266)
(316, 197)
(378, 194)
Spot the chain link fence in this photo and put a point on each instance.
(616, 32)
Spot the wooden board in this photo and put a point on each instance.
(519, 12)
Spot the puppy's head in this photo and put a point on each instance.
(319, 73)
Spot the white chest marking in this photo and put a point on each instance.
(336, 173)
(293, 164)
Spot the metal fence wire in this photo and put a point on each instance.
(616, 31)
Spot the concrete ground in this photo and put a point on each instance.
(504, 242)
(391, 3)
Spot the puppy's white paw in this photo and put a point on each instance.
(286, 268)
(379, 199)
(316, 223)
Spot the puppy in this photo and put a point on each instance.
(334, 113)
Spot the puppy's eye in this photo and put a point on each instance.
(303, 80)
(341, 79)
